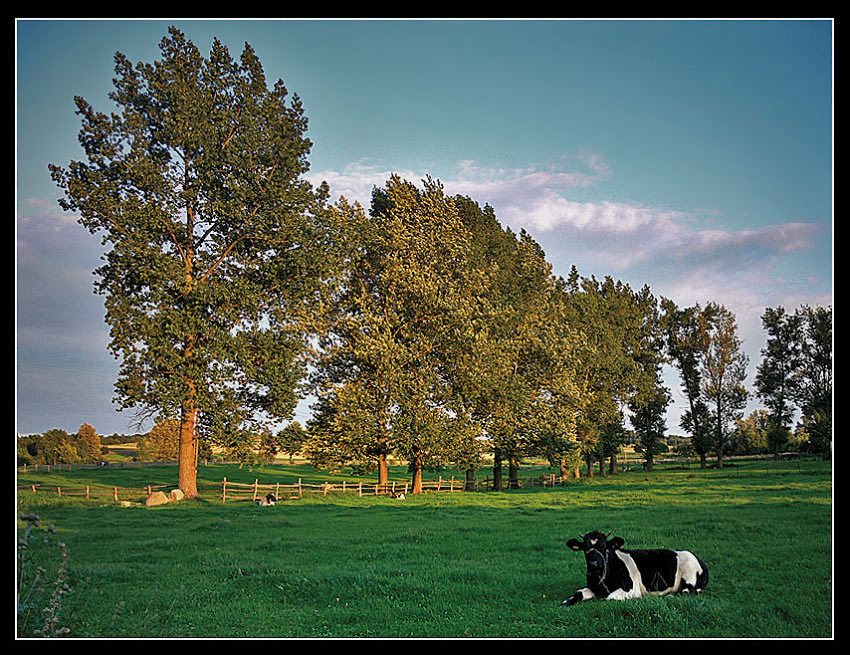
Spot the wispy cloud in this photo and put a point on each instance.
(619, 235)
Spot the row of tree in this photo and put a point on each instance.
(794, 375)
(56, 446)
(422, 327)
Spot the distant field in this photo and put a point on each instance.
(489, 564)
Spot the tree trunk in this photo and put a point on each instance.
(187, 472)
(383, 469)
(416, 465)
(497, 470)
(612, 465)
(513, 473)
(469, 482)
(589, 461)
(719, 438)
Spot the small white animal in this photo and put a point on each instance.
(270, 499)
(399, 495)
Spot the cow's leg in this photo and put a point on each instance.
(577, 597)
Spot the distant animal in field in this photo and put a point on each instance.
(270, 499)
(614, 573)
(398, 495)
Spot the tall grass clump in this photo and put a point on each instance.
(42, 580)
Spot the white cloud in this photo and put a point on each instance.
(619, 235)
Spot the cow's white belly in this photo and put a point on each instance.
(637, 589)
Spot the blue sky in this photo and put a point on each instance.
(692, 156)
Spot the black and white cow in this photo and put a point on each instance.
(269, 500)
(617, 574)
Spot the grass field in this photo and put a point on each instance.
(486, 565)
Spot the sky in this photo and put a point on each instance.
(693, 156)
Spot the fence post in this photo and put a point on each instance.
(439, 482)
(299, 487)
(87, 492)
(360, 489)
(255, 489)
(59, 491)
(115, 493)
(224, 491)
(277, 490)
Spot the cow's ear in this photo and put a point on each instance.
(615, 543)
(575, 544)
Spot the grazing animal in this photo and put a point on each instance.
(614, 573)
(399, 495)
(270, 499)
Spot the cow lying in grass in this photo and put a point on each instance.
(270, 499)
(617, 574)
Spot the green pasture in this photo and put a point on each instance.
(483, 564)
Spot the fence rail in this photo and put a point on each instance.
(228, 490)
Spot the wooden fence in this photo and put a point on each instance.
(97, 492)
(227, 490)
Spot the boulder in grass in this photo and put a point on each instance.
(176, 494)
(156, 498)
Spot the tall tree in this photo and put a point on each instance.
(384, 371)
(525, 384)
(687, 335)
(195, 185)
(619, 351)
(774, 381)
(647, 418)
(89, 443)
(724, 370)
(812, 388)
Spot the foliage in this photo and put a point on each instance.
(796, 370)
(812, 384)
(88, 443)
(619, 353)
(687, 334)
(724, 369)
(161, 443)
(751, 434)
(289, 440)
(56, 446)
(648, 422)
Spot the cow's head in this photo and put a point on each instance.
(597, 549)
